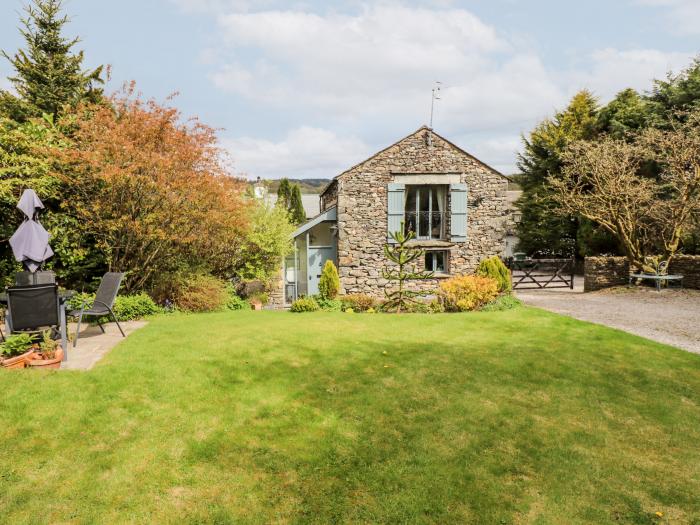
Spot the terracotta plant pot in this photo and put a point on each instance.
(48, 363)
(19, 361)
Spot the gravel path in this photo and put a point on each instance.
(670, 316)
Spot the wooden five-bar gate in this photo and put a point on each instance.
(537, 274)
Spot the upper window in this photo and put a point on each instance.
(425, 210)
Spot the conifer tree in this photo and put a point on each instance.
(284, 194)
(48, 74)
(297, 214)
(404, 257)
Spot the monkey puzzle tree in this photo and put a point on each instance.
(404, 269)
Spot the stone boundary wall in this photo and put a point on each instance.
(604, 272)
(689, 267)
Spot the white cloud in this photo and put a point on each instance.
(683, 15)
(305, 152)
(613, 70)
(337, 76)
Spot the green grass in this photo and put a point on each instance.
(518, 416)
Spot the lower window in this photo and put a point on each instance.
(436, 261)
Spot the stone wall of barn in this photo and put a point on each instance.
(362, 210)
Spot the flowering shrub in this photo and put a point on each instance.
(467, 292)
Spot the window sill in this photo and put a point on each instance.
(432, 243)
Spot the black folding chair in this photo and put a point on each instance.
(29, 278)
(33, 308)
(103, 304)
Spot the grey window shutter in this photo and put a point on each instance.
(395, 212)
(458, 212)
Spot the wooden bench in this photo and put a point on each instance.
(658, 279)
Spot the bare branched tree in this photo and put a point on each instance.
(607, 181)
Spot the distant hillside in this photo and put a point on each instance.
(307, 185)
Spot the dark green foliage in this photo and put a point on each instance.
(542, 231)
(403, 256)
(16, 345)
(289, 199)
(493, 267)
(297, 215)
(328, 305)
(329, 284)
(234, 301)
(126, 307)
(48, 75)
(625, 114)
(284, 194)
(594, 240)
(305, 304)
(679, 92)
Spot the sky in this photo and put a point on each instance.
(307, 89)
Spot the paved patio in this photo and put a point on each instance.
(93, 345)
(671, 316)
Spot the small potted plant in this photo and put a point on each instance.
(258, 300)
(16, 351)
(50, 354)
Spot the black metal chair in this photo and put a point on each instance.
(29, 278)
(32, 308)
(103, 304)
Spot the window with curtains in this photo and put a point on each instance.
(436, 261)
(425, 209)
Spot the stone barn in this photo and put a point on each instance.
(454, 203)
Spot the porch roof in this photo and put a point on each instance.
(331, 214)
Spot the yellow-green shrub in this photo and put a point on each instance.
(467, 292)
(305, 304)
(493, 267)
(329, 285)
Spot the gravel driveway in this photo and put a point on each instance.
(670, 316)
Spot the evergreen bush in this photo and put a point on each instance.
(329, 285)
(493, 267)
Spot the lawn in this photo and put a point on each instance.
(257, 417)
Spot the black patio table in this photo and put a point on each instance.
(63, 297)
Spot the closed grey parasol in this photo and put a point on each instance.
(30, 243)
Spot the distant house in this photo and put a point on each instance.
(455, 204)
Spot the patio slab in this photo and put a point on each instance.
(93, 345)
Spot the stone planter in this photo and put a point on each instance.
(19, 361)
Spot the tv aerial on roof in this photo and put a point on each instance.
(436, 96)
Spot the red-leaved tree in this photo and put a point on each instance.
(153, 191)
